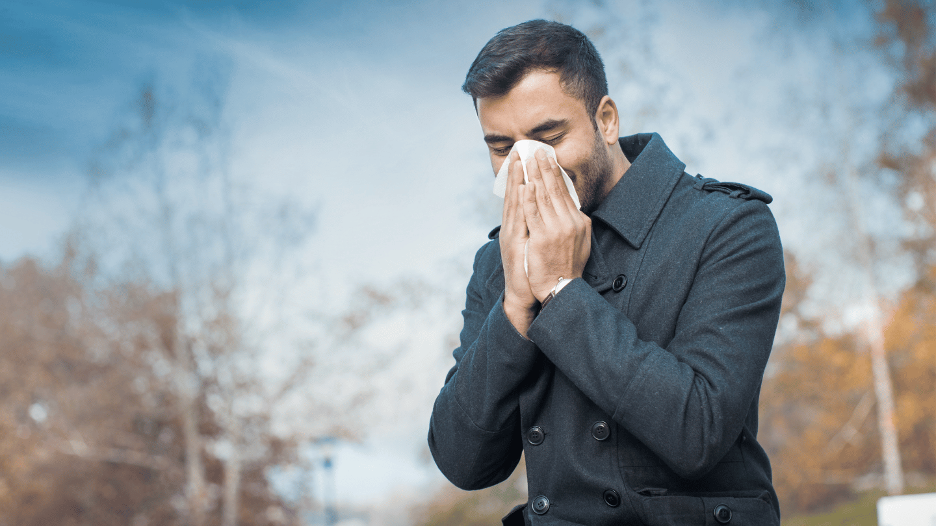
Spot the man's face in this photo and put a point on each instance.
(537, 108)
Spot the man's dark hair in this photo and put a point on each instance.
(538, 44)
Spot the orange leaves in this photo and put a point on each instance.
(818, 405)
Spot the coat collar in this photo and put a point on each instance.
(636, 201)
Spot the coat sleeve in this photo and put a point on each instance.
(474, 431)
(687, 402)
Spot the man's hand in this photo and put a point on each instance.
(560, 234)
(519, 303)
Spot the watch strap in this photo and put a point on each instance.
(555, 290)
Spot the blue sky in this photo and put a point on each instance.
(355, 107)
(329, 75)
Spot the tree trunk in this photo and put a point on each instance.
(890, 449)
(874, 333)
(232, 479)
(196, 489)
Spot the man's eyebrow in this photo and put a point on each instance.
(492, 138)
(546, 126)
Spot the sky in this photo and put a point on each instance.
(355, 109)
(335, 100)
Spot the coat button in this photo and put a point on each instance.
(601, 430)
(540, 505)
(619, 283)
(535, 435)
(612, 498)
(723, 514)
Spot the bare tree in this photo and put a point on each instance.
(165, 208)
(81, 442)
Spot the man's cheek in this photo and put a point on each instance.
(567, 158)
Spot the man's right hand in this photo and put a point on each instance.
(520, 305)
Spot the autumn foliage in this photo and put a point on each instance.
(89, 431)
(817, 403)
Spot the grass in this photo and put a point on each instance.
(861, 512)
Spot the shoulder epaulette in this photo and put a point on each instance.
(733, 190)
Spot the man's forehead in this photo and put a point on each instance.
(537, 100)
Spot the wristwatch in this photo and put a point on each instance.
(552, 294)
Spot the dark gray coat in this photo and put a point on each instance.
(636, 400)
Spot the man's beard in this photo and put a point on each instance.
(590, 181)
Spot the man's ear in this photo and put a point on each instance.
(606, 118)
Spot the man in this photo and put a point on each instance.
(627, 363)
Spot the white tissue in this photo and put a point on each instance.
(526, 149)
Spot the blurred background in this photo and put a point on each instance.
(235, 237)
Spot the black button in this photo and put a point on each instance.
(619, 283)
(723, 514)
(540, 505)
(612, 498)
(601, 430)
(535, 435)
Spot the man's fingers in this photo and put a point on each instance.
(552, 177)
(563, 190)
(514, 170)
(540, 197)
(511, 203)
(511, 161)
(531, 207)
(554, 189)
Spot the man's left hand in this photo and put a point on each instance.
(560, 234)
